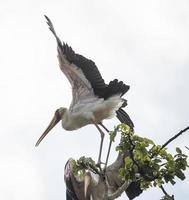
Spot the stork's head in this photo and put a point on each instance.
(58, 115)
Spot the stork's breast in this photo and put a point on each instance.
(107, 109)
(102, 114)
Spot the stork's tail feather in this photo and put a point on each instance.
(51, 27)
(115, 87)
(124, 104)
(133, 190)
(124, 118)
(69, 196)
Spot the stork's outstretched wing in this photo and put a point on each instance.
(81, 72)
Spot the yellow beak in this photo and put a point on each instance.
(52, 124)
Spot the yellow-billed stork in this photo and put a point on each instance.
(92, 99)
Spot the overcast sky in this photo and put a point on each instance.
(143, 43)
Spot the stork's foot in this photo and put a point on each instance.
(99, 163)
(102, 170)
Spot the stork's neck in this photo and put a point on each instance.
(65, 118)
(69, 121)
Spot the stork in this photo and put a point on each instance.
(92, 99)
(91, 186)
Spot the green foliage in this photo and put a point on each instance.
(147, 162)
(114, 133)
(80, 166)
(167, 197)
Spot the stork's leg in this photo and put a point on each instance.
(101, 143)
(104, 127)
(109, 147)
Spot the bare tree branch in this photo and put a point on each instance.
(187, 147)
(166, 194)
(174, 137)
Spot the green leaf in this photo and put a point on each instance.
(180, 175)
(112, 135)
(178, 150)
(167, 197)
(147, 140)
(156, 160)
(128, 162)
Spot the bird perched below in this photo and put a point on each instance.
(75, 185)
(91, 186)
(92, 99)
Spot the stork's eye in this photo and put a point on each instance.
(57, 113)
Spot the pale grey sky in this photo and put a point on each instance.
(143, 43)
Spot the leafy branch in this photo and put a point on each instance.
(152, 163)
(141, 163)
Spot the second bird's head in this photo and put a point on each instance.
(58, 115)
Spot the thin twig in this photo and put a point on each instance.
(187, 147)
(174, 137)
(165, 193)
(163, 190)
